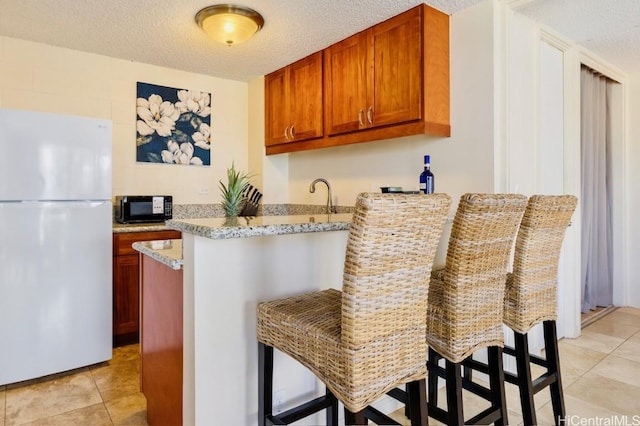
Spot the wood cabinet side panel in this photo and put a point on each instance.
(161, 341)
(436, 67)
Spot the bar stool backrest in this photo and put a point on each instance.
(466, 298)
(390, 251)
(531, 291)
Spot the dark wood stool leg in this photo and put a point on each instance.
(432, 378)
(496, 383)
(355, 418)
(265, 382)
(525, 384)
(553, 365)
(407, 407)
(332, 410)
(417, 394)
(454, 394)
(467, 372)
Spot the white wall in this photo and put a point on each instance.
(520, 87)
(461, 163)
(41, 77)
(551, 126)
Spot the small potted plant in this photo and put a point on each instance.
(233, 199)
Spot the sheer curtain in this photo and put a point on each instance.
(597, 268)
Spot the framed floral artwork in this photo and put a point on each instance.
(173, 125)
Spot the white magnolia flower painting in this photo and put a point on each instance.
(173, 125)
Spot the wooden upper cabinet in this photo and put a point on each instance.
(397, 65)
(293, 102)
(388, 81)
(374, 77)
(276, 107)
(347, 76)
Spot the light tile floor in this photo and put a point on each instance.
(104, 394)
(600, 372)
(600, 376)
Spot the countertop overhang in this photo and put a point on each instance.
(167, 252)
(243, 227)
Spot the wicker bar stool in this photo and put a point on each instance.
(466, 299)
(531, 298)
(369, 338)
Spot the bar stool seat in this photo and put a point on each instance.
(369, 337)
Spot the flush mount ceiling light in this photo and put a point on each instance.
(229, 24)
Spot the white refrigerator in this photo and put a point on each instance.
(55, 243)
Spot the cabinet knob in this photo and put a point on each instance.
(370, 115)
(286, 133)
(360, 122)
(292, 131)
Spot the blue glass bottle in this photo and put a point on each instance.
(426, 177)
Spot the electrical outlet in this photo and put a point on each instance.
(278, 401)
(204, 191)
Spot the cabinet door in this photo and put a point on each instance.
(126, 290)
(305, 98)
(397, 81)
(125, 297)
(277, 119)
(348, 69)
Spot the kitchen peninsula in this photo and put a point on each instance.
(227, 268)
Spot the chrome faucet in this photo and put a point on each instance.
(312, 189)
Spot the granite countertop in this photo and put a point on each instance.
(219, 228)
(138, 227)
(167, 252)
(184, 212)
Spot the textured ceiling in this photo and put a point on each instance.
(163, 32)
(608, 28)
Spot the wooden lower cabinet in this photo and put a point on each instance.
(125, 299)
(126, 288)
(161, 342)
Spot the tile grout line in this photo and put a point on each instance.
(607, 355)
(565, 388)
(93, 379)
(582, 376)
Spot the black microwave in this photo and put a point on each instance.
(143, 208)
